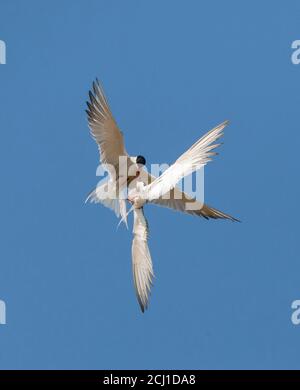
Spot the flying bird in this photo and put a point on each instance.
(122, 168)
(143, 188)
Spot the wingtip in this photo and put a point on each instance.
(91, 96)
(236, 220)
(222, 125)
(94, 87)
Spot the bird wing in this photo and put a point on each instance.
(141, 259)
(178, 200)
(104, 128)
(193, 159)
(191, 206)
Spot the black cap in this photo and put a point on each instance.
(141, 160)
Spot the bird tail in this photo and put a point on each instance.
(92, 197)
(100, 195)
(124, 216)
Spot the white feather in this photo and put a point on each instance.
(141, 259)
(193, 159)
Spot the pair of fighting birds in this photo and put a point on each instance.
(160, 190)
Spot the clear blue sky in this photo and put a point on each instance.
(172, 70)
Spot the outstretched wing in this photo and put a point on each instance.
(104, 128)
(141, 259)
(177, 200)
(193, 159)
(180, 201)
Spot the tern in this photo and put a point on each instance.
(160, 190)
(122, 169)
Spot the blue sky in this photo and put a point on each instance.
(171, 70)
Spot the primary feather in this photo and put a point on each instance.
(193, 159)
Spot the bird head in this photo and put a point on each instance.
(141, 160)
